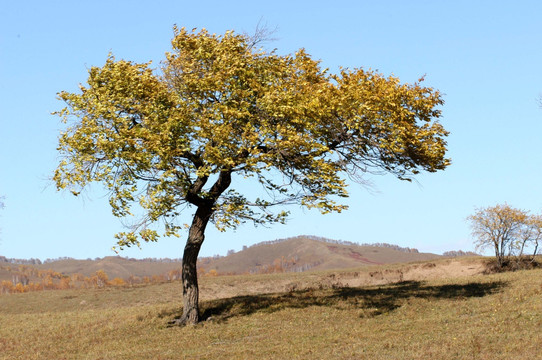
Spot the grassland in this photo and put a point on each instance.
(288, 316)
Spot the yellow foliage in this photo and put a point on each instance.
(6, 287)
(65, 283)
(212, 272)
(117, 282)
(20, 288)
(219, 107)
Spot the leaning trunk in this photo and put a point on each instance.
(196, 235)
(534, 252)
(189, 270)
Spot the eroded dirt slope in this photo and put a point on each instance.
(229, 286)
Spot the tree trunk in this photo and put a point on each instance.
(196, 235)
(534, 253)
(498, 256)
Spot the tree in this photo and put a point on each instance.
(220, 111)
(531, 234)
(100, 278)
(506, 230)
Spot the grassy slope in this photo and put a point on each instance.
(479, 317)
(323, 255)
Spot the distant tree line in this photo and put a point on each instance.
(158, 260)
(394, 247)
(62, 258)
(205, 260)
(457, 253)
(31, 261)
(25, 278)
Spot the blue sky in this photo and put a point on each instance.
(484, 56)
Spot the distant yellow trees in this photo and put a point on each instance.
(52, 280)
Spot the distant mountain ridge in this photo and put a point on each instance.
(307, 252)
(295, 254)
(36, 261)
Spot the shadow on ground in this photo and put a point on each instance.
(372, 300)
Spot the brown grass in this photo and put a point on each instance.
(318, 255)
(299, 316)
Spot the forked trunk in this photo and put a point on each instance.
(196, 235)
(189, 270)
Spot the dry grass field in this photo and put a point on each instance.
(444, 309)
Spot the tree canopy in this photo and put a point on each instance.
(217, 107)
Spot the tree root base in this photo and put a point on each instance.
(183, 321)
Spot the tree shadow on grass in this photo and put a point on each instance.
(372, 301)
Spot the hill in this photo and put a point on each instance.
(114, 266)
(296, 254)
(304, 253)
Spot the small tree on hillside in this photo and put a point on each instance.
(220, 111)
(531, 234)
(506, 230)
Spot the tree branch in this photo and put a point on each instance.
(193, 194)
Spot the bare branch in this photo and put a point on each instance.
(262, 33)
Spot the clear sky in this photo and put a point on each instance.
(484, 56)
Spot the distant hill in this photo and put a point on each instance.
(296, 254)
(114, 266)
(304, 253)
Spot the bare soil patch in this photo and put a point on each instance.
(231, 286)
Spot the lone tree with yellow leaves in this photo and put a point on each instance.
(220, 110)
(506, 230)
